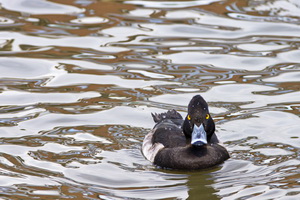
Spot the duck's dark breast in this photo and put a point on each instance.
(191, 158)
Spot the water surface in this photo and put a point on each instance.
(80, 78)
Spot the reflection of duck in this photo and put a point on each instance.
(184, 144)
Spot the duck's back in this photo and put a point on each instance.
(168, 129)
(167, 133)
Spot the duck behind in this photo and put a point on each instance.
(185, 144)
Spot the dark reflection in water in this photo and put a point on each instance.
(79, 80)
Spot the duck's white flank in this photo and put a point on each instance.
(150, 150)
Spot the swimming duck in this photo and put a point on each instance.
(187, 144)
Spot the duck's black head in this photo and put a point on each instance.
(198, 124)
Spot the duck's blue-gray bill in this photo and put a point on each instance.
(199, 135)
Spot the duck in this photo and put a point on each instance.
(184, 144)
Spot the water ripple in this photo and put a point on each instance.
(79, 80)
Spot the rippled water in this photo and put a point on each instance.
(80, 78)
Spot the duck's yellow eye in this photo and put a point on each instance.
(189, 117)
(207, 116)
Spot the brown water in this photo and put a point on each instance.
(79, 80)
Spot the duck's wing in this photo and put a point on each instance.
(169, 134)
(165, 134)
(149, 149)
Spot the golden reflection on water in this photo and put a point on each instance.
(79, 80)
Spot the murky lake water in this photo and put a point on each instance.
(80, 78)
